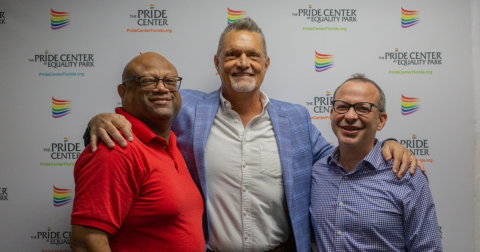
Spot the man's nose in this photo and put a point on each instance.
(351, 114)
(243, 61)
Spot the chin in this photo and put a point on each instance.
(243, 88)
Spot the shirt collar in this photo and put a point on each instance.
(225, 105)
(374, 158)
(142, 131)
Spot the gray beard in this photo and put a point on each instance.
(243, 88)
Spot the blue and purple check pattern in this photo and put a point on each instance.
(368, 209)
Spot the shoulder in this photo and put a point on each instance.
(191, 94)
(287, 106)
(320, 166)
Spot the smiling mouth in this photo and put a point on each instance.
(242, 75)
(350, 129)
(160, 100)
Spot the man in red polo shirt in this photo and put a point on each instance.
(140, 198)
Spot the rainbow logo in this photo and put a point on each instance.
(323, 62)
(46, 51)
(309, 6)
(409, 105)
(59, 19)
(234, 16)
(65, 139)
(414, 136)
(60, 108)
(396, 49)
(49, 229)
(152, 6)
(328, 93)
(409, 18)
(61, 196)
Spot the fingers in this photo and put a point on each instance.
(104, 126)
(422, 168)
(403, 166)
(125, 127)
(413, 165)
(93, 141)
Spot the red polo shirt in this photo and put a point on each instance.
(142, 195)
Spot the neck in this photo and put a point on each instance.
(161, 129)
(247, 105)
(351, 155)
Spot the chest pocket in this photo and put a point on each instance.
(270, 160)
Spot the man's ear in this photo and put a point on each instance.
(122, 89)
(383, 121)
(216, 61)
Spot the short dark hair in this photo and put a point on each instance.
(244, 24)
(382, 103)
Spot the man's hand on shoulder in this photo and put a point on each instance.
(403, 158)
(87, 239)
(107, 125)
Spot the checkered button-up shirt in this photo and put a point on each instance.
(368, 209)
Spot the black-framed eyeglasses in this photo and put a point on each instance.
(361, 108)
(149, 83)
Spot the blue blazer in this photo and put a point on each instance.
(300, 145)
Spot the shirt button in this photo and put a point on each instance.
(345, 177)
(246, 236)
(244, 165)
(244, 189)
(244, 213)
(236, 120)
(341, 204)
(339, 232)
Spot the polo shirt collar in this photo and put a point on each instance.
(142, 131)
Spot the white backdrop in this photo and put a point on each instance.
(97, 39)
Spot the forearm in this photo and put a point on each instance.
(86, 239)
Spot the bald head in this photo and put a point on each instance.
(146, 63)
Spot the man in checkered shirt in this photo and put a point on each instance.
(357, 203)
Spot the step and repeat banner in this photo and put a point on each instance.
(61, 62)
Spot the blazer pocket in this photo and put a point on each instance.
(270, 160)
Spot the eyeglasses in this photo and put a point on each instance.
(361, 108)
(149, 83)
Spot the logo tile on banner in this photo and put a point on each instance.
(54, 237)
(321, 106)
(409, 18)
(60, 108)
(233, 16)
(3, 193)
(409, 105)
(61, 197)
(62, 153)
(64, 61)
(2, 17)
(59, 19)
(150, 20)
(419, 147)
(415, 59)
(323, 62)
(328, 18)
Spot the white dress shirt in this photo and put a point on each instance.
(245, 194)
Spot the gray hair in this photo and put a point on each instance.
(244, 24)
(382, 103)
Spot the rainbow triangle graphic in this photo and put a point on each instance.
(409, 18)
(409, 105)
(328, 93)
(61, 196)
(414, 136)
(323, 62)
(59, 19)
(60, 108)
(234, 16)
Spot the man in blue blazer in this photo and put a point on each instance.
(251, 156)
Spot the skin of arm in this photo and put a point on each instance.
(87, 239)
(107, 125)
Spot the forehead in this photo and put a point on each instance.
(153, 66)
(243, 40)
(356, 91)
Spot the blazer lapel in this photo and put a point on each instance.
(204, 115)
(281, 129)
